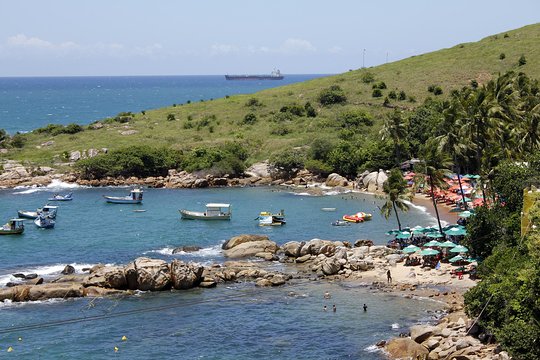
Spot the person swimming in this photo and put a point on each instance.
(334, 309)
(327, 295)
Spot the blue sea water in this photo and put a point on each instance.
(27, 103)
(233, 321)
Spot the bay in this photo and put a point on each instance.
(235, 320)
(27, 103)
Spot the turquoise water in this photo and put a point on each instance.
(27, 103)
(234, 321)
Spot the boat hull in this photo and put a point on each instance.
(27, 214)
(44, 224)
(11, 232)
(253, 77)
(122, 200)
(197, 215)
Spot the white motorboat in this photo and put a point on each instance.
(135, 197)
(213, 211)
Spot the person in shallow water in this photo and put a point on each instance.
(324, 308)
(389, 276)
(327, 295)
(334, 309)
(365, 307)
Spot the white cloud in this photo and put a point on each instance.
(22, 42)
(25, 41)
(292, 45)
(223, 49)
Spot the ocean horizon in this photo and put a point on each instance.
(27, 103)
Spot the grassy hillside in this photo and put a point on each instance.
(216, 121)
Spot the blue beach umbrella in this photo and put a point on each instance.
(465, 214)
(459, 249)
(429, 251)
(455, 231)
(433, 243)
(403, 235)
(448, 244)
(435, 235)
(456, 258)
(410, 249)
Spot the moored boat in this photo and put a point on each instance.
(341, 223)
(214, 211)
(266, 218)
(12, 227)
(135, 197)
(44, 222)
(58, 197)
(48, 210)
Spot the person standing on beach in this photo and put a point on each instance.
(389, 276)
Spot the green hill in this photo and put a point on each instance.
(274, 128)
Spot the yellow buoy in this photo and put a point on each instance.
(124, 338)
(9, 349)
(116, 349)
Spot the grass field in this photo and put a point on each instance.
(216, 121)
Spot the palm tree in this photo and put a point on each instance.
(434, 167)
(397, 195)
(395, 129)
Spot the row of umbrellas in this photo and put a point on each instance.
(429, 251)
(455, 230)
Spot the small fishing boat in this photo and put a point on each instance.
(135, 197)
(341, 223)
(328, 209)
(44, 222)
(58, 197)
(48, 210)
(266, 218)
(213, 212)
(12, 227)
(358, 217)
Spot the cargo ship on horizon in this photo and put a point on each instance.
(274, 75)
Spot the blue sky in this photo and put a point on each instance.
(166, 37)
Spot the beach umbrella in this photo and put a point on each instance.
(392, 232)
(403, 235)
(459, 249)
(418, 230)
(435, 235)
(455, 231)
(456, 258)
(411, 249)
(456, 209)
(448, 244)
(465, 214)
(433, 243)
(429, 251)
(466, 200)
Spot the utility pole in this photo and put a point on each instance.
(364, 59)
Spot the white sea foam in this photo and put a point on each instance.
(55, 185)
(395, 326)
(43, 271)
(372, 349)
(9, 304)
(212, 251)
(424, 210)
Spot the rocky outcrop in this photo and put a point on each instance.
(374, 181)
(336, 180)
(148, 274)
(249, 245)
(261, 170)
(406, 348)
(186, 248)
(112, 277)
(185, 276)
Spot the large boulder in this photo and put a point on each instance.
(336, 180)
(148, 274)
(370, 180)
(241, 239)
(420, 333)
(381, 179)
(251, 248)
(405, 348)
(292, 248)
(261, 170)
(112, 277)
(314, 246)
(53, 291)
(185, 276)
(331, 266)
(186, 248)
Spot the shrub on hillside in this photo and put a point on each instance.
(376, 93)
(392, 95)
(367, 77)
(137, 160)
(287, 163)
(249, 119)
(280, 130)
(253, 102)
(380, 85)
(522, 60)
(228, 158)
(294, 109)
(402, 96)
(18, 140)
(354, 118)
(332, 95)
(310, 110)
(57, 129)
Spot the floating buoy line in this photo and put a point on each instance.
(48, 324)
